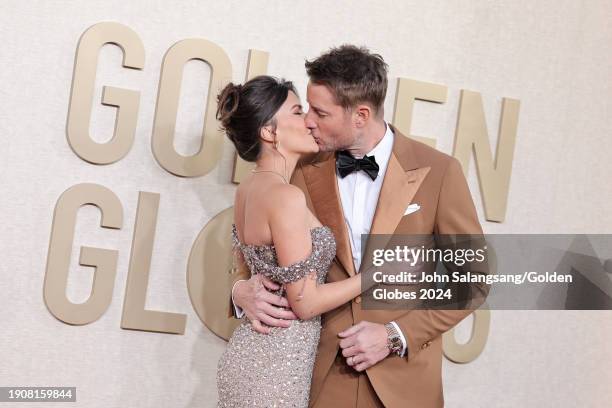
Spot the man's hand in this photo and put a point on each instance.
(364, 344)
(262, 308)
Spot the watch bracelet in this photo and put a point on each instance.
(394, 347)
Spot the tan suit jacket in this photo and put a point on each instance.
(415, 173)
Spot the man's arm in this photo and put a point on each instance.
(365, 343)
(251, 296)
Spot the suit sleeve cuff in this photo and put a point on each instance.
(404, 344)
(238, 312)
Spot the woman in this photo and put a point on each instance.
(277, 236)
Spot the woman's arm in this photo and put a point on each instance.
(291, 234)
(308, 299)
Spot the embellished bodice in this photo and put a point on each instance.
(262, 258)
(274, 369)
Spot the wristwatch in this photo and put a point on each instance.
(394, 340)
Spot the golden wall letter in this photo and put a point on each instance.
(464, 353)
(103, 260)
(494, 176)
(409, 90)
(135, 316)
(81, 95)
(168, 97)
(209, 274)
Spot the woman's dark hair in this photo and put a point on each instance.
(244, 110)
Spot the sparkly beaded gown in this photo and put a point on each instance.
(274, 370)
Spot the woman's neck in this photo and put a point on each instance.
(273, 161)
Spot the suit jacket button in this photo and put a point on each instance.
(358, 299)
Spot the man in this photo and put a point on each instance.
(364, 181)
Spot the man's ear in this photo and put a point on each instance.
(362, 114)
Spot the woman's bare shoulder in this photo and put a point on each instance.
(286, 201)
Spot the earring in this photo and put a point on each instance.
(276, 144)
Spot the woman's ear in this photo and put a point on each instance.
(267, 134)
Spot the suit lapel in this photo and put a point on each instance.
(402, 180)
(323, 190)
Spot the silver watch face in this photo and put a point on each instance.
(395, 344)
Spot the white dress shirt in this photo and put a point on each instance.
(359, 197)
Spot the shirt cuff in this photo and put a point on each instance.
(404, 346)
(238, 312)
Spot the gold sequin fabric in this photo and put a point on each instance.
(275, 369)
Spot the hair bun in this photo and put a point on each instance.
(227, 102)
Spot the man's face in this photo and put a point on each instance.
(329, 122)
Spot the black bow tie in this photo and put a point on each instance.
(346, 164)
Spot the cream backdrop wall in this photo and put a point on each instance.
(554, 56)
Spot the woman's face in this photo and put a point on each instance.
(291, 131)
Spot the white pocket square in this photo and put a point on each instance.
(412, 208)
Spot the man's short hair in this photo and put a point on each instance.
(353, 74)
